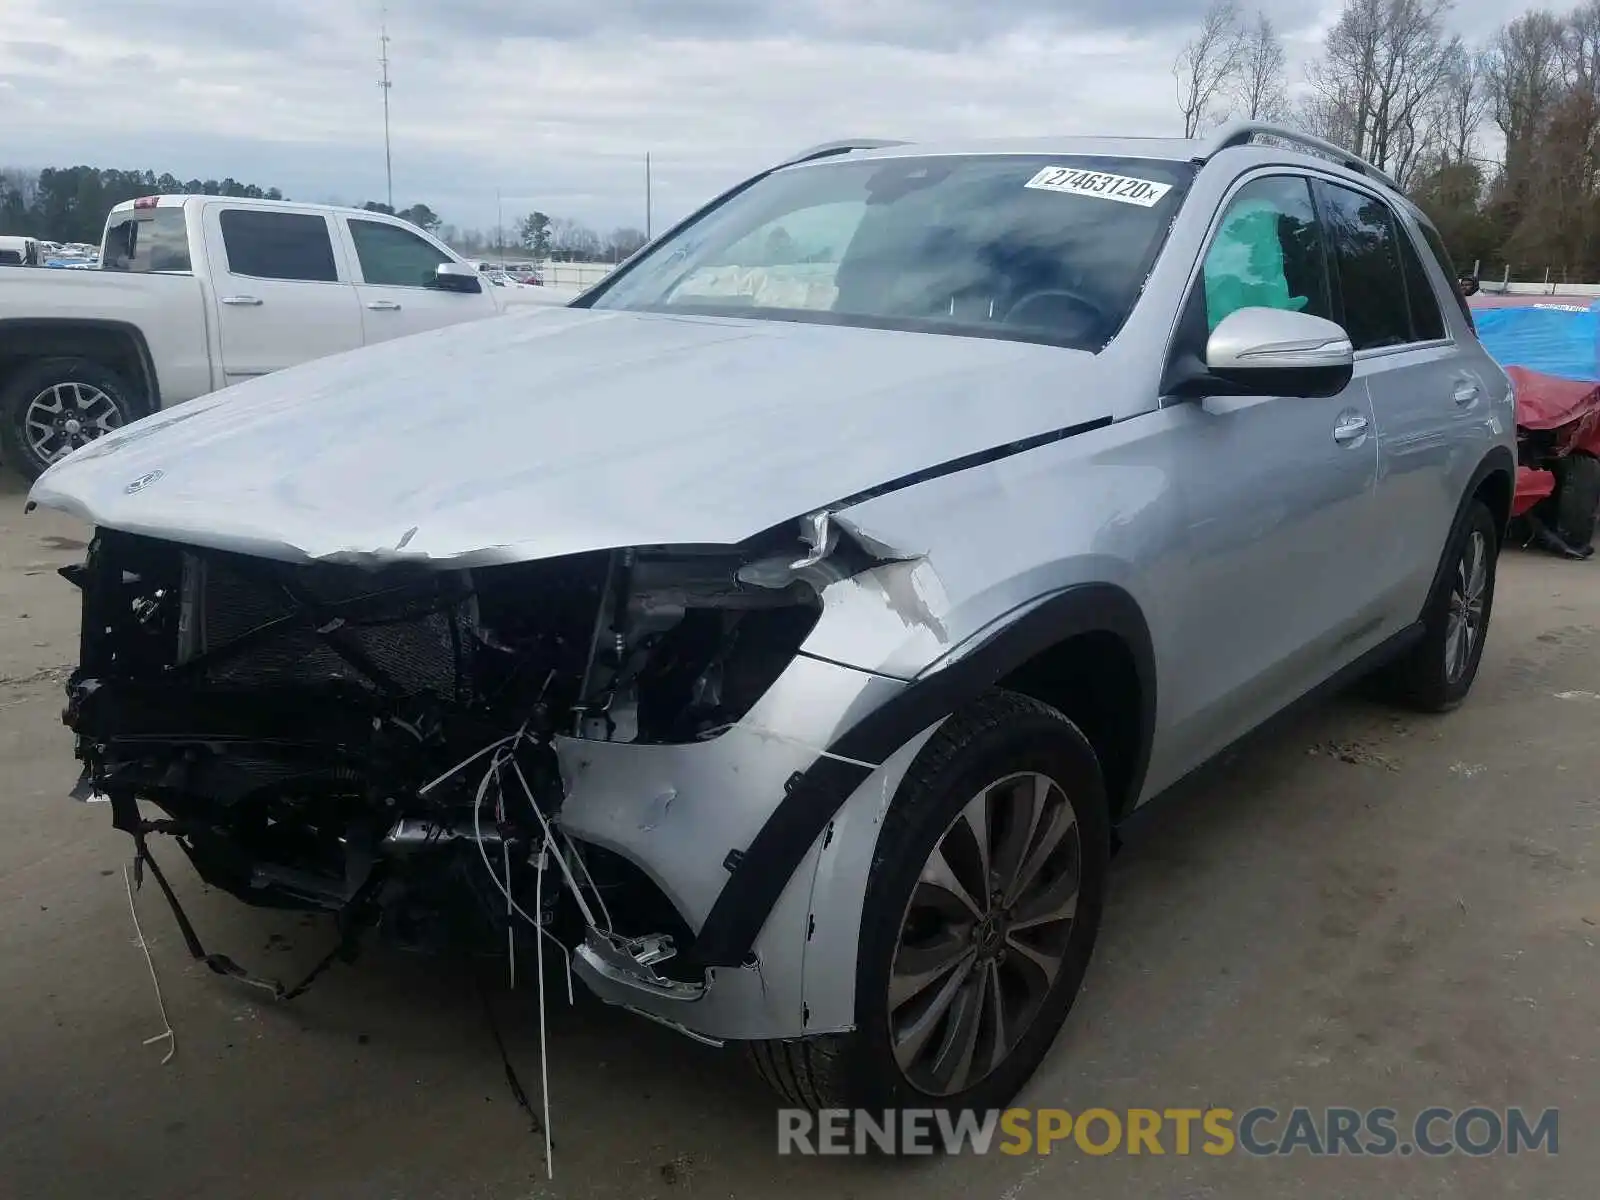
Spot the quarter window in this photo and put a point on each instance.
(1267, 252)
(393, 257)
(1361, 234)
(1427, 322)
(278, 245)
(1436, 247)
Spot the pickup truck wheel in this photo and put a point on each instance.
(51, 407)
(980, 916)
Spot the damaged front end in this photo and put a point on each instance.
(395, 745)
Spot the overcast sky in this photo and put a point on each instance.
(555, 102)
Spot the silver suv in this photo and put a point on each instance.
(868, 547)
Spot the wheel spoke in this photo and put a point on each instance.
(1062, 821)
(995, 1011)
(976, 818)
(951, 1064)
(1055, 904)
(910, 1040)
(1452, 644)
(1479, 574)
(938, 876)
(1020, 827)
(1047, 964)
(916, 968)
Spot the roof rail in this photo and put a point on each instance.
(1244, 132)
(843, 146)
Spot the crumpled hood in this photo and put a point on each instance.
(556, 431)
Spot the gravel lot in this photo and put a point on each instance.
(1364, 908)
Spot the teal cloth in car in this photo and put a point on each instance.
(1244, 267)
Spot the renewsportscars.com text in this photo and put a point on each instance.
(1260, 1132)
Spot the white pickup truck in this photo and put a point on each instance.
(198, 292)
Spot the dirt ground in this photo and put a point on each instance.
(1366, 908)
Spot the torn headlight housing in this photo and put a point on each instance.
(689, 639)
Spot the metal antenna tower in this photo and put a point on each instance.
(384, 85)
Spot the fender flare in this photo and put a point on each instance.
(813, 796)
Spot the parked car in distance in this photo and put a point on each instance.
(195, 293)
(875, 542)
(19, 251)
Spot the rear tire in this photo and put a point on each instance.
(54, 405)
(1437, 673)
(1577, 498)
(1015, 761)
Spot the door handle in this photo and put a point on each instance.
(245, 301)
(1351, 428)
(384, 305)
(1466, 392)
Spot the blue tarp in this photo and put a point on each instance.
(1554, 339)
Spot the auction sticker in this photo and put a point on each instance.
(1123, 189)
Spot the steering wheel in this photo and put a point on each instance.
(1051, 301)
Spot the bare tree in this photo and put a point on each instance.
(1263, 95)
(1580, 50)
(1525, 81)
(1463, 104)
(1208, 65)
(1384, 66)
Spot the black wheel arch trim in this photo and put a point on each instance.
(762, 870)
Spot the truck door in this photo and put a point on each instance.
(280, 291)
(395, 281)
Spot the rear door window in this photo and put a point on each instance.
(1371, 280)
(278, 245)
(147, 241)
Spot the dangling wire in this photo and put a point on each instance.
(544, 1041)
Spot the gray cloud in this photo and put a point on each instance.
(555, 102)
(43, 54)
(928, 24)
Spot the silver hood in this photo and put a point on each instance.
(556, 431)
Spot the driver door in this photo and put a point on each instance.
(1280, 492)
(395, 270)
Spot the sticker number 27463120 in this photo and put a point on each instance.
(1145, 193)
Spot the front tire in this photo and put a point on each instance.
(981, 913)
(51, 407)
(1438, 672)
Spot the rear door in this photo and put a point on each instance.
(1421, 389)
(395, 281)
(279, 289)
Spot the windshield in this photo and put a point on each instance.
(1031, 248)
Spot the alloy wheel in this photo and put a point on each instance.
(1464, 625)
(65, 416)
(985, 933)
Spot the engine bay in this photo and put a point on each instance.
(377, 743)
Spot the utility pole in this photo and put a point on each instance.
(384, 85)
(647, 195)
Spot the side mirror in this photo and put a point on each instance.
(456, 277)
(1276, 352)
